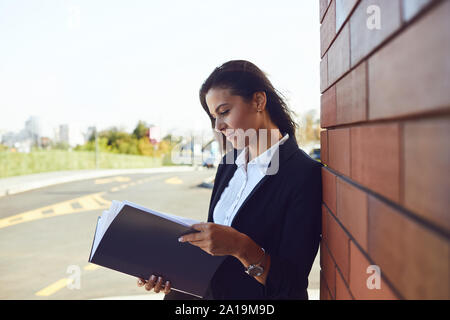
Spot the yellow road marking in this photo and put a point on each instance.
(113, 179)
(174, 180)
(86, 203)
(91, 267)
(55, 286)
(62, 283)
(124, 186)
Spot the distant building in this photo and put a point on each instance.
(33, 128)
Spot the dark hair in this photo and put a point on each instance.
(244, 78)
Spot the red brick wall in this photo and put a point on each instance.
(385, 111)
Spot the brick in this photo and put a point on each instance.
(339, 150)
(328, 108)
(338, 242)
(343, 9)
(415, 259)
(324, 224)
(427, 177)
(324, 291)
(324, 74)
(351, 96)
(375, 158)
(352, 210)
(407, 76)
(359, 276)
(328, 269)
(324, 146)
(328, 29)
(364, 40)
(342, 291)
(329, 189)
(323, 6)
(412, 7)
(339, 56)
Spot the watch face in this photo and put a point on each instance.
(255, 271)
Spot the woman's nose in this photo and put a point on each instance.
(219, 125)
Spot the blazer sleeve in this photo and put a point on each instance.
(292, 262)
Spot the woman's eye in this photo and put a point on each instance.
(221, 114)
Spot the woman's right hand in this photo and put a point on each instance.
(154, 283)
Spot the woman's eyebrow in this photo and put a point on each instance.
(220, 105)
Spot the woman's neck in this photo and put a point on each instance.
(265, 139)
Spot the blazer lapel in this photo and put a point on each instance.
(285, 151)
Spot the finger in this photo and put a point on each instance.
(167, 287)
(150, 283)
(192, 237)
(158, 285)
(140, 282)
(202, 244)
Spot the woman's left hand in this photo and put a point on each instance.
(215, 239)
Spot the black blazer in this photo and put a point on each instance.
(283, 215)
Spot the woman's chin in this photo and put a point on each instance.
(236, 143)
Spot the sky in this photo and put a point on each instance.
(115, 62)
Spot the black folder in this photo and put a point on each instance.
(140, 242)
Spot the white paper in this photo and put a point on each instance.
(178, 219)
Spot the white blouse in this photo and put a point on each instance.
(245, 178)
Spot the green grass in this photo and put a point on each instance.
(14, 163)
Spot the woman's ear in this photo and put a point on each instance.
(260, 100)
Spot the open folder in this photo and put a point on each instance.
(140, 242)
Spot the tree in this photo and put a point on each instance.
(141, 130)
(145, 147)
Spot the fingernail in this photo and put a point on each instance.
(152, 278)
(180, 239)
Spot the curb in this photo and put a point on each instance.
(13, 185)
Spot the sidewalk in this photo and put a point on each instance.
(24, 183)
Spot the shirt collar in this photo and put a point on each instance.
(263, 160)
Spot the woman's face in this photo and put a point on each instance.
(232, 113)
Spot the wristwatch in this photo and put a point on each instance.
(255, 270)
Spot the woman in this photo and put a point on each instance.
(265, 208)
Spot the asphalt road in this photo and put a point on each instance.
(46, 234)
